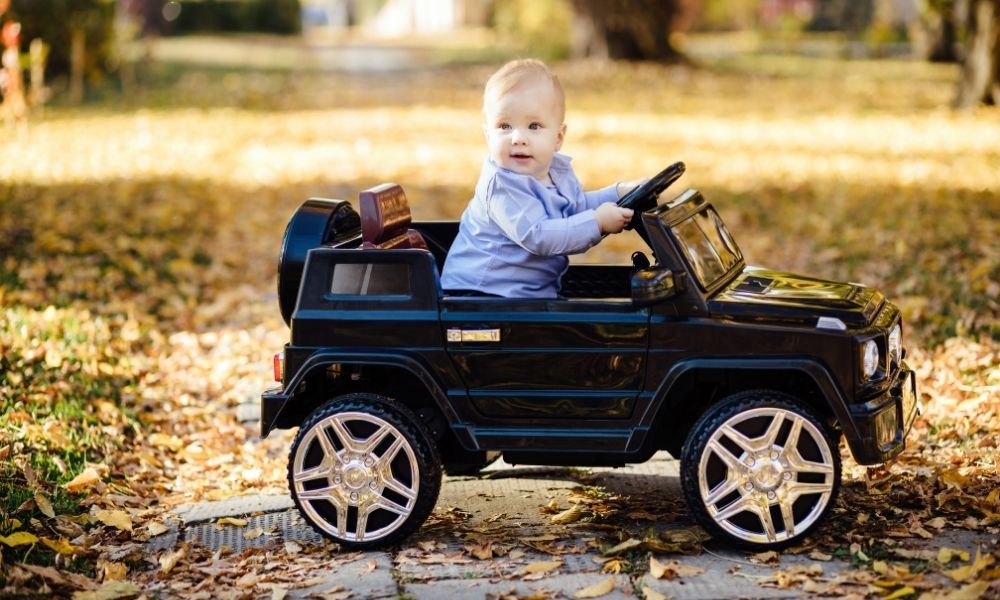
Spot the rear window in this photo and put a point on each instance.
(371, 279)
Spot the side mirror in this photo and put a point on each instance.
(652, 285)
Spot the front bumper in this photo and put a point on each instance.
(884, 421)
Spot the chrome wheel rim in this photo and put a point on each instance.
(356, 476)
(766, 475)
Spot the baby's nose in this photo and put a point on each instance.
(518, 137)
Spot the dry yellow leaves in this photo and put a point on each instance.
(601, 588)
(671, 569)
(649, 593)
(61, 546)
(44, 505)
(156, 528)
(111, 590)
(119, 519)
(18, 538)
(171, 442)
(541, 566)
(967, 572)
(168, 560)
(231, 521)
(87, 479)
(570, 515)
(114, 571)
(900, 593)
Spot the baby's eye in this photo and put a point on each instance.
(504, 126)
(535, 126)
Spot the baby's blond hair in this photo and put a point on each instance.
(517, 71)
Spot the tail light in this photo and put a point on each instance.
(279, 366)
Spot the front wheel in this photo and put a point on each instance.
(363, 471)
(759, 470)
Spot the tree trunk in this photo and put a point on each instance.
(980, 82)
(77, 54)
(627, 29)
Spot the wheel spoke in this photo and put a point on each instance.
(390, 454)
(346, 439)
(801, 465)
(397, 486)
(317, 472)
(728, 486)
(324, 493)
(733, 509)
(770, 436)
(763, 513)
(796, 489)
(745, 443)
(725, 455)
(361, 525)
(792, 443)
(386, 504)
(788, 517)
(329, 452)
(376, 438)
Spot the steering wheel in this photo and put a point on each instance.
(644, 197)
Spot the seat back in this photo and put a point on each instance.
(385, 219)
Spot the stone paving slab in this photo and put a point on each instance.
(503, 507)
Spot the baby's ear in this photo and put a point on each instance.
(561, 136)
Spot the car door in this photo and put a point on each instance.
(537, 366)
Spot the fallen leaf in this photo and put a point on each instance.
(169, 560)
(671, 569)
(87, 479)
(821, 556)
(254, 533)
(115, 571)
(119, 519)
(232, 521)
(109, 591)
(650, 594)
(597, 590)
(18, 538)
(900, 593)
(765, 558)
(481, 551)
(625, 546)
(155, 528)
(969, 571)
(44, 505)
(542, 566)
(61, 546)
(570, 515)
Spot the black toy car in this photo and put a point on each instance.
(749, 376)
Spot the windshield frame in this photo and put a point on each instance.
(686, 219)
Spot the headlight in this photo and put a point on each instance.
(869, 358)
(896, 344)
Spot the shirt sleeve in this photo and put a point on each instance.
(596, 198)
(521, 215)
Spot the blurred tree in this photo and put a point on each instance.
(630, 29)
(79, 33)
(980, 81)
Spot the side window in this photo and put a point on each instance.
(370, 279)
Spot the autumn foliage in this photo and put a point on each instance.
(138, 250)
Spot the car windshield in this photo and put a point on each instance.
(710, 249)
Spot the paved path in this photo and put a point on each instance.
(504, 508)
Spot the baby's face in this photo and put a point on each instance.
(524, 128)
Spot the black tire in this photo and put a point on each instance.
(737, 459)
(362, 463)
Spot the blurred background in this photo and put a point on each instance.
(151, 153)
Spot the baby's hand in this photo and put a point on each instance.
(612, 218)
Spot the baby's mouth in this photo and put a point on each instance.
(520, 155)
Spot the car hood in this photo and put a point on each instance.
(763, 295)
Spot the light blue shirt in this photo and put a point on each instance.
(516, 232)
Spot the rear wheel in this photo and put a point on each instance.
(760, 470)
(363, 471)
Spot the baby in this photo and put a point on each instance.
(529, 210)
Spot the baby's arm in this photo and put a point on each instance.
(523, 219)
(612, 218)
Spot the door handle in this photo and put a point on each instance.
(473, 335)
